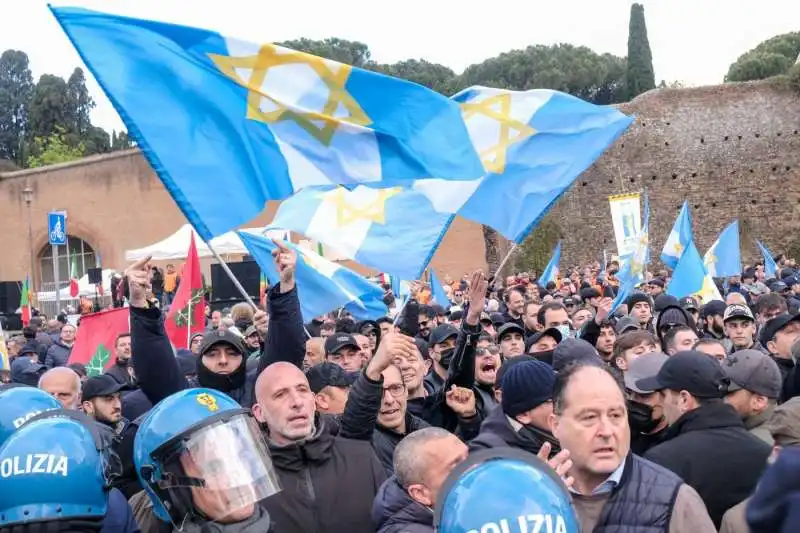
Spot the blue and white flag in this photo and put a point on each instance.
(690, 277)
(550, 272)
(770, 266)
(534, 144)
(322, 285)
(228, 125)
(632, 271)
(724, 258)
(392, 230)
(679, 238)
(437, 291)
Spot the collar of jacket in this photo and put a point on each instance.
(315, 449)
(517, 435)
(761, 418)
(413, 423)
(782, 361)
(712, 416)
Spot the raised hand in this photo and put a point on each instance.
(285, 263)
(138, 276)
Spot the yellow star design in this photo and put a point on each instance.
(678, 249)
(708, 290)
(637, 267)
(710, 259)
(347, 212)
(494, 157)
(321, 125)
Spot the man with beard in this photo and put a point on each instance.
(526, 405)
(711, 320)
(121, 370)
(487, 363)
(645, 407)
(427, 319)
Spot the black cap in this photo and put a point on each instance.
(695, 372)
(329, 375)
(713, 308)
(589, 292)
(458, 314)
(339, 340)
(102, 385)
(688, 303)
(439, 334)
(658, 282)
(569, 301)
(551, 332)
(509, 327)
(212, 338)
(773, 326)
(497, 319)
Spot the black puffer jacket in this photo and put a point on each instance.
(395, 512)
(710, 449)
(496, 432)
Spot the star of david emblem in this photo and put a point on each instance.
(498, 108)
(251, 72)
(347, 212)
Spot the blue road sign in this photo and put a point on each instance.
(57, 228)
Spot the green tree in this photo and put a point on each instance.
(535, 251)
(120, 141)
(16, 88)
(431, 75)
(639, 76)
(79, 104)
(772, 57)
(53, 149)
(48, 108)
(349, 52)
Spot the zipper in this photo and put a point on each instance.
(312, 496)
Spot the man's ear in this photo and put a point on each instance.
(421, 494)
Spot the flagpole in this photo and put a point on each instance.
(505, 260)
(189, 320)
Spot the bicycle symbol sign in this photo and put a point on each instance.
(57, 228)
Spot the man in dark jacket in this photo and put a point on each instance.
(779, 336)
(121, 370)
(58, 353)
(422, 462)
(707, 444)
(526, 406)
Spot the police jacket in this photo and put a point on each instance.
(159, 374)
(395, 512)
(710, 449)
(328, 483)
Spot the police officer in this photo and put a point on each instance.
(18, 404)
(202, 459)
(54, 474)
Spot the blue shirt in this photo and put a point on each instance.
(609, 484)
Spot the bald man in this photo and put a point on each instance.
(735, 298)
(63, 384)
(345, 473)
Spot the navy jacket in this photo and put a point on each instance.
(393, 511)
(775, 505)
(119, 516)
(57, 355)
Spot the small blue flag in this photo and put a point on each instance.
(322, 285)
(550, 272)
(770, 266)
(724, 258)
(679, 238)
(633, 267)
(392, 230)
(690, 277)
(228, 125)
(437, 291)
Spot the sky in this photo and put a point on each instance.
(693, 41)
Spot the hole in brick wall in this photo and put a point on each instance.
(694, 174)
(788, 168)
(752, 171)
(725, 138)
(678, 208)
(753, 201)
(674, 176)
(710, 172)
(713, 204)
(774, 201)
(668, 123)
(584, 184)
(702, 140)
(758, 135)
(644, 124)
(645, 145)
(633, 180)
(653, 177)
(795, 132)
(774, 169)
(778, 134)
(732, 172)
(666, 143)
(622, 145)
(696, 207)
(605, 240)
(740, 137)
(611, 181)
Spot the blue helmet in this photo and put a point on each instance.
(51, 469)
(504, 489)
(200, 438)
(18, 404)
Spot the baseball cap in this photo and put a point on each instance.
(497, 319)
(551, 332)
(212, 338)
(695, 372)
(658, 282)
(626, 323)
(102, 385)
(784, 424)
(713, 308)
(337, 341)
(644, 366)
(753, 371)
(688, 303)
(509, 327)
(329, 375)
(574, 351)
(458, 314)
(737, 311)
(774, 325)
(250, 331)
(485, 318)
(441, 333)
(569, 301)
(791, 280)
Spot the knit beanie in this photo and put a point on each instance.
(526, 386)
(637, 297)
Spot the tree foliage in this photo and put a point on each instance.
(16, 88)
(772, 57)
(349, 52)
(535, 251)
(53, 149)
(639, 76)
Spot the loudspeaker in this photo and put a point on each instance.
(95, 275)
(248, 274)
(10, 292)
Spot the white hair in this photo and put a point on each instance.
(65, 370)
(410, 460)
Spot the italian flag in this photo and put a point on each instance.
(262, 289)
(187, 313)
(74, 290)
(25, 302)
(95, 340)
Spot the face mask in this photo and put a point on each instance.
(640, 417)
(446, 356)
(565, 330)
(545, 356)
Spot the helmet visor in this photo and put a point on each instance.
(222, 470)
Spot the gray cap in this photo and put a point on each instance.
(574, 351)
(626, 323)
(753, 371)
(737, 311)
(644, 366)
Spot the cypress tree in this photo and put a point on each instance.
(639, 76)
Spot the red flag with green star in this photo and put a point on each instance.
(95, 339)
(187, 313)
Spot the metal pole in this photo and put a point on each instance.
(55, 278)
(30, 244)
(505, 260)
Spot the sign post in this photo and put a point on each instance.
(57, 236)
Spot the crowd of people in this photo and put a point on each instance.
(512, 405)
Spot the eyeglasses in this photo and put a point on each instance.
(395, 390)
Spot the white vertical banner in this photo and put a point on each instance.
(627, 220)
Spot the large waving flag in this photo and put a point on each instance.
(187, 312)
(97, 334)
(534, 144)
(724, 258)
(770, 267)
(322, 285)
(679, 238)
(690, 277)
(437, 291)
(25, 301)
(550, 272)
(392, 230)
(259, 121)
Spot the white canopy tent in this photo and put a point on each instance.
(177, 245)
(84, 288)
